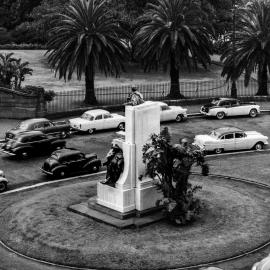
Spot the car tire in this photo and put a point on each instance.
(90, 131)
(179, 118)
(258, 146)
(3, 186)
(121, 126)
(253, 113)
(220, 115)
(218, 151)
(95, 169)
(60, 173)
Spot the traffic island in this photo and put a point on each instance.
(235, 220)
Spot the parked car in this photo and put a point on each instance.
(170, 113)
(222, 107)
(68, 161)
(264, 264)
(230, 138)
(97, 119)
(31, 142)
(61, 128)
(3, 182)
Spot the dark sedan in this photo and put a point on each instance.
(70, 161)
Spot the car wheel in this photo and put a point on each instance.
(91, 131)
(95, 169)
(218, 150)
(121, 126)
(253, 113)
(179, 118)
(64, 134)
(220, 115)
(258, 146)
(60, 174)
(3, 186)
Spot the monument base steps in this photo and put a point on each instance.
(117, 219)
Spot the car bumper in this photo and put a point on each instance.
(8, 152)
(46, 172)
(2, 179)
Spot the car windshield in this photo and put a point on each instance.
(87, 116)
(215, 101)
(22, 125)
(214, 134)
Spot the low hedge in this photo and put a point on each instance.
(22, 46)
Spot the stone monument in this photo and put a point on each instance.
(133, 191)
(134, 194)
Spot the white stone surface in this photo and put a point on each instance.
(263, 264)
(131, 192)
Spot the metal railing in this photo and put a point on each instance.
(73, 99)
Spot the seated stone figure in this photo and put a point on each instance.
(115, 165)
(134, 98)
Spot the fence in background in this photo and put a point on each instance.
(69, 100)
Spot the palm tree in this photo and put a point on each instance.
(252, 45)
(173, 33)
(21, 69)
(86, 38)
(7, 68)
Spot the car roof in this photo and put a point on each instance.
(65, 152)
(162, 103)
(225, 130)
(30, 133)
(225, 98)
(97, 112)
(35, 120)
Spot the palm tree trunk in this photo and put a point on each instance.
(174, 74)
(262, 81)
(90, 97)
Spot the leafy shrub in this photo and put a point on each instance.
(169, 166)
(23, 46)
(49, 95)
(33, 90)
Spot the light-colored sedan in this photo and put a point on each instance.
(97, 120)
(263, 264)
(230, 139)
(223, 107)
(3, 182)
(172, 113)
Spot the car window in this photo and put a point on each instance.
(234, 102)
(229, 136)
(106, 116)
(165, 107)
(23, 126)
(24, 139)
(48, 124)
(87, 116)
(222, 137)
(239, 135)
(39, 125)
(98, 117)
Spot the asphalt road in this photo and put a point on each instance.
(27, 172)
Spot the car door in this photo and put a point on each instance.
(98, 123)
(50, 128)
(76, 162)
(109, 121)
(241, 141)
(227, 142)
(228, 107)
(40, 143)
(235, 109)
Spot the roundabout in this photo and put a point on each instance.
(235, 221)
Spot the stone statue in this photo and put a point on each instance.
(135, 97)
(115, 165)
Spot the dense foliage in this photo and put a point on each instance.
(170, 165)
(84, 39)
(252, 45)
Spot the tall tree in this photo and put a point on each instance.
(86, 38)
(252, 45)
(173, 33)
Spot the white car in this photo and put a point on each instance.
(223, 107)
(263, 264)
(171, 113)
(229, 139)
(97, 120)
(3, 182)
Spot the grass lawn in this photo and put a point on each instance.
(44, 76)
(236, 218)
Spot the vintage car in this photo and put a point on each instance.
(70, 161)
(230, 139)
(264, 264)
(3, 182)
(170, 113)
(222, 107)
(31, 142)
(97, 120)
(61, 128)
